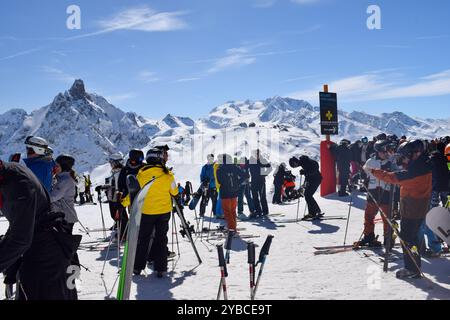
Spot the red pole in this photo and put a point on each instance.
(327, 165)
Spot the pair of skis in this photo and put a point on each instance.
(225, 259)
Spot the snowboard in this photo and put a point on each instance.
(129, 255)
(196, 198)
(438, 220)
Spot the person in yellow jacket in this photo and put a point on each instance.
(156, 212)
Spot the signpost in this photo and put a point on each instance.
(329, 126)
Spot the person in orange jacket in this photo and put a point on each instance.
(415, 196)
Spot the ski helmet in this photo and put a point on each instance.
(344, 142)
(381, 146)
(116, 158)
(294, 162)
(365, 140)
(447, 152)
(381, 136)
(65, 161)
(37, 145)
(408, 148)
(155, 156)
(136, 157)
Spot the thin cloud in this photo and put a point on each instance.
(58, 74)
(300, 78)
(147, 76)
(21, 53)
(140, 19)
(236, 57)
(393, 46)
(373, 87)
(186, 80)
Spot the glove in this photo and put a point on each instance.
(302, 172)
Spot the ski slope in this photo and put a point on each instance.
(292, 271)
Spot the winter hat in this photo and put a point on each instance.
(66, 162)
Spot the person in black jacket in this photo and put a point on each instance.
(244, 190)
(313, 179)
(278, 180)
(259, 169)
(230, 178)
(343, 158)
(36, 243)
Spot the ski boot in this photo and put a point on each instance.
(368, 240)
(407, 274)
(311, 216)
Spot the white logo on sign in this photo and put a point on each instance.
(74, 20)
(374, 20)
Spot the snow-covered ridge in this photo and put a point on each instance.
(89, 127)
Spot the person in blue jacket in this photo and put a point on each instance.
(209, 181)
(39, 160)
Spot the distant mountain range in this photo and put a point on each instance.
(89, 127)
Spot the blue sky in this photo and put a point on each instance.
(186, 57)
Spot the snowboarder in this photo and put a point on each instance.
(230, 178)
(416, 186)
(156, 212)
(378, 189)
(208, 179)
(313, 179)
(134, 163)
(39, 160)
(259, 169)
(36, 243)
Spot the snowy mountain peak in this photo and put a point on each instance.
(77, 91)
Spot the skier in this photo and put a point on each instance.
(440, 193)
(380, 191)
(278, 180)
(259, 169)
(63, 191)
(343, 157)
(80, 187)
(208, 179)
(134, 163)
(355, 163)
(313, 179)
(155, 212)
(36, 244)
(415, 187)
(87, 187)
(230, 178)
(39, 160)
(114, 195)
(244, 188)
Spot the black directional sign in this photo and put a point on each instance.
(329, 124)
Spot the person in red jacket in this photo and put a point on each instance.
(415, 195)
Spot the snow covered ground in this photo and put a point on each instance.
(292, 270)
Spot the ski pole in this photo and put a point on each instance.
(348, 217)
(298, 202)
(223, 274)
(228, 246)
(85, 229)
(107, 251)
(387, 246)
(251, 266)
(186, 229)
(403, 243)
(101, 212)
(262, 260)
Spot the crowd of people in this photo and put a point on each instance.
(403, 179)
